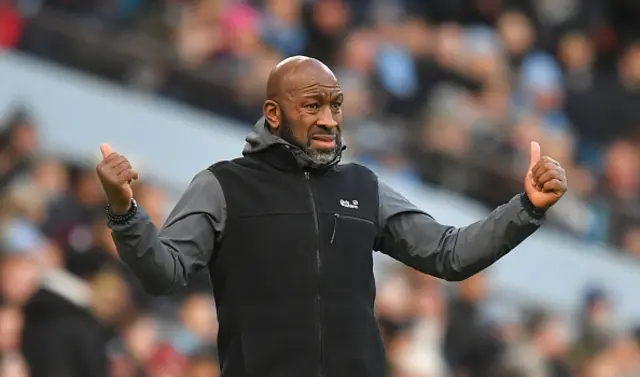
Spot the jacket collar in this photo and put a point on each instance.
(262, 144)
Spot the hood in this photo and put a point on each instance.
(46, 306)
(261, 139)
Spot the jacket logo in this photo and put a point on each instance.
(349, 204)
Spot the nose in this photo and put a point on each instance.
(326, 118)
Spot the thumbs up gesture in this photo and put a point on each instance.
(115, 173)
(546, 180)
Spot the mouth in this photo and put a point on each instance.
(323, 141)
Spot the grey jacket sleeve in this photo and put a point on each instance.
(414, 238)
(163, 260)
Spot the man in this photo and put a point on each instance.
(287, 233)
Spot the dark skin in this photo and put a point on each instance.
(304, 107)
(304, 104)
(546, 180)
(116, 174)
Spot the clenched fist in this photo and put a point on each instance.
(546, 180)
(115, 173)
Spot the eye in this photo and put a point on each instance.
(336, 106)
(313, 106)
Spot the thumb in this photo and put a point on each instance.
(106, 150)
(535, 153)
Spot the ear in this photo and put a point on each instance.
(272, 114)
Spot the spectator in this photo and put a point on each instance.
(446, 89)
(539, 354)
(282, 26)
(198, 325)
(11, 325)
(11, 25)
(132, 351)
(19, 279)
(70, 218)
(327, 25)
(472, 346)
(420, 351)
(596, 327)
(13, 365)
(18, 143)
(198, 35)
(67, 324)
(517, 33)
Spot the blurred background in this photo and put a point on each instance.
(442, 99)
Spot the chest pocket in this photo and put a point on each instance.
(349, 251)
(349, 226)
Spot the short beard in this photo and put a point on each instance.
(319, 157)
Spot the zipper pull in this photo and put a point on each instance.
(335, 223)
(307, 176)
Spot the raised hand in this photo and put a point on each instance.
(546, 180)
(115, 173)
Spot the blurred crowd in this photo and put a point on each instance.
(449, 92)
(70, 308)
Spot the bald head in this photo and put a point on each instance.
(304, 107)
(297, 72)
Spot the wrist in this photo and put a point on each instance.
(530, 208)
(121, 217)
(120, 209)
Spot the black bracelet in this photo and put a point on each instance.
(122, 218)
(536, 213)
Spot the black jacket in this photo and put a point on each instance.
(288, 245)
(61, 339)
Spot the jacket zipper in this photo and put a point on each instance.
(336, 216)
(307, 177)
